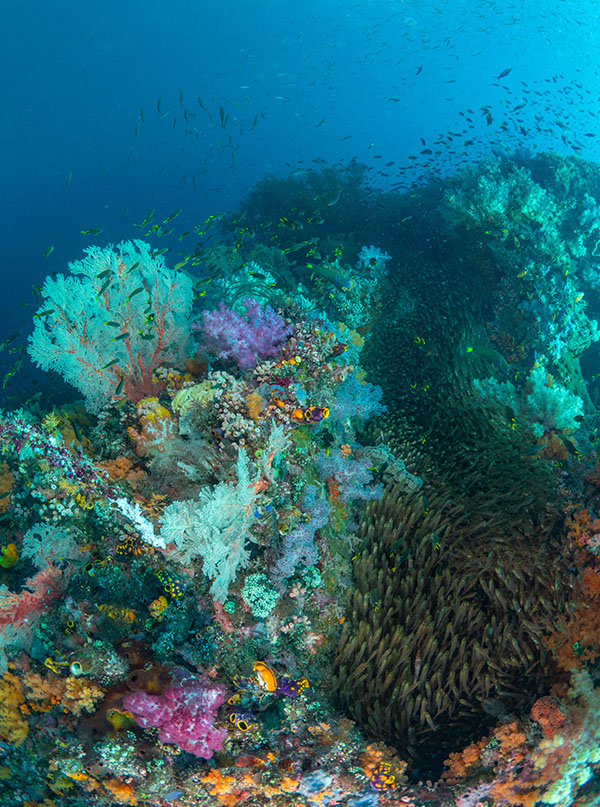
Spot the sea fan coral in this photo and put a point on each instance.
(108, 325)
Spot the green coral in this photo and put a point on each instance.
(259, 596)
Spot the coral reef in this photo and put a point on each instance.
(344, 548)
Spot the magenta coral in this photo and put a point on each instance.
(247, 339)
(185, 714)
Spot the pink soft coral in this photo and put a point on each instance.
(185, 714)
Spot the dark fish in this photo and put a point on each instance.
(104, 287)
(8, 340)
(136, 291)
(570, 446)
(505, 72)
(76, 431)
(48, 251)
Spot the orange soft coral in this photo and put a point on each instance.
(565, 757)
(370, 759)
(590, 578)
(228, 790)
(123, 468)
(509, 736)
(578, 641)
(547, 713)
(459, 762)
(121, 792)
(505, 744)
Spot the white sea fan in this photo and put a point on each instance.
(50, 544)
(108, 294)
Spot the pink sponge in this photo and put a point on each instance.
(185, 714)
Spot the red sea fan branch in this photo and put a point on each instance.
(40, 590)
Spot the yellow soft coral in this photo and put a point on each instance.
(38, 688)
(13, 729)
(156, 428)
(73, 694)
(80, 695)
(255, 405)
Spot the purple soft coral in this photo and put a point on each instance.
(185, 714)
(247, 339)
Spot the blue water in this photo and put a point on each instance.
(297, 83)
